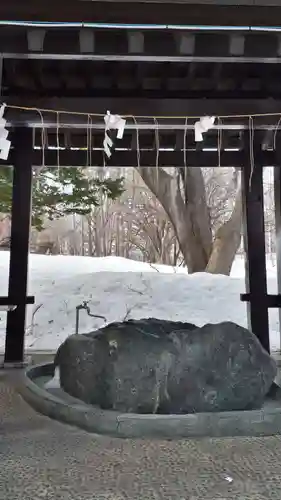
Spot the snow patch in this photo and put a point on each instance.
(120, 289)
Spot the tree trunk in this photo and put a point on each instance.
(82, 236)
(183, 197)
(90, 236)
(227, 241)
(190, 217)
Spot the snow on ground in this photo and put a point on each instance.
(118, 288)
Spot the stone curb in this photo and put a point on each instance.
(264, 422)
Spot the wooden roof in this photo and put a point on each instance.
(140, 71)
(218, 12)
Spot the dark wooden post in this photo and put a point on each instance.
(20, 231)
(254, 242)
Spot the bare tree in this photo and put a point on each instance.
(169, 216)
(182, 193)
(269, 211)
(150, 230)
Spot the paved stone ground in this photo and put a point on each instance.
(42, 459)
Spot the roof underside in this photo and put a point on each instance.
(40, 65)
(149, 73)
(184, 80)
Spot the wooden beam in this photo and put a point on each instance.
(272, 301)
(7, 301)
(135, 12)
(254, 243)
(64, 86)
(19, 249)
(120, 158)
(168, 139)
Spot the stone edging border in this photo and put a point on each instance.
(264, 422)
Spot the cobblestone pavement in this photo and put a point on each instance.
(43, 459)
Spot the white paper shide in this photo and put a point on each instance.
(202, 126)
(5, 144)
(112, 122)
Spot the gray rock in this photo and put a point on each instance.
(82, 360)
(142, 357)
(91, 370)
(151, 365)
(219, 367)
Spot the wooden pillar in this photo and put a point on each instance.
(20, 231)
(254, 242)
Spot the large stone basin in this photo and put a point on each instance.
(57, 404)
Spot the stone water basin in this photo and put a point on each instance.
(57, 404)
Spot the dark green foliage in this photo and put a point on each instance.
(59, 192)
